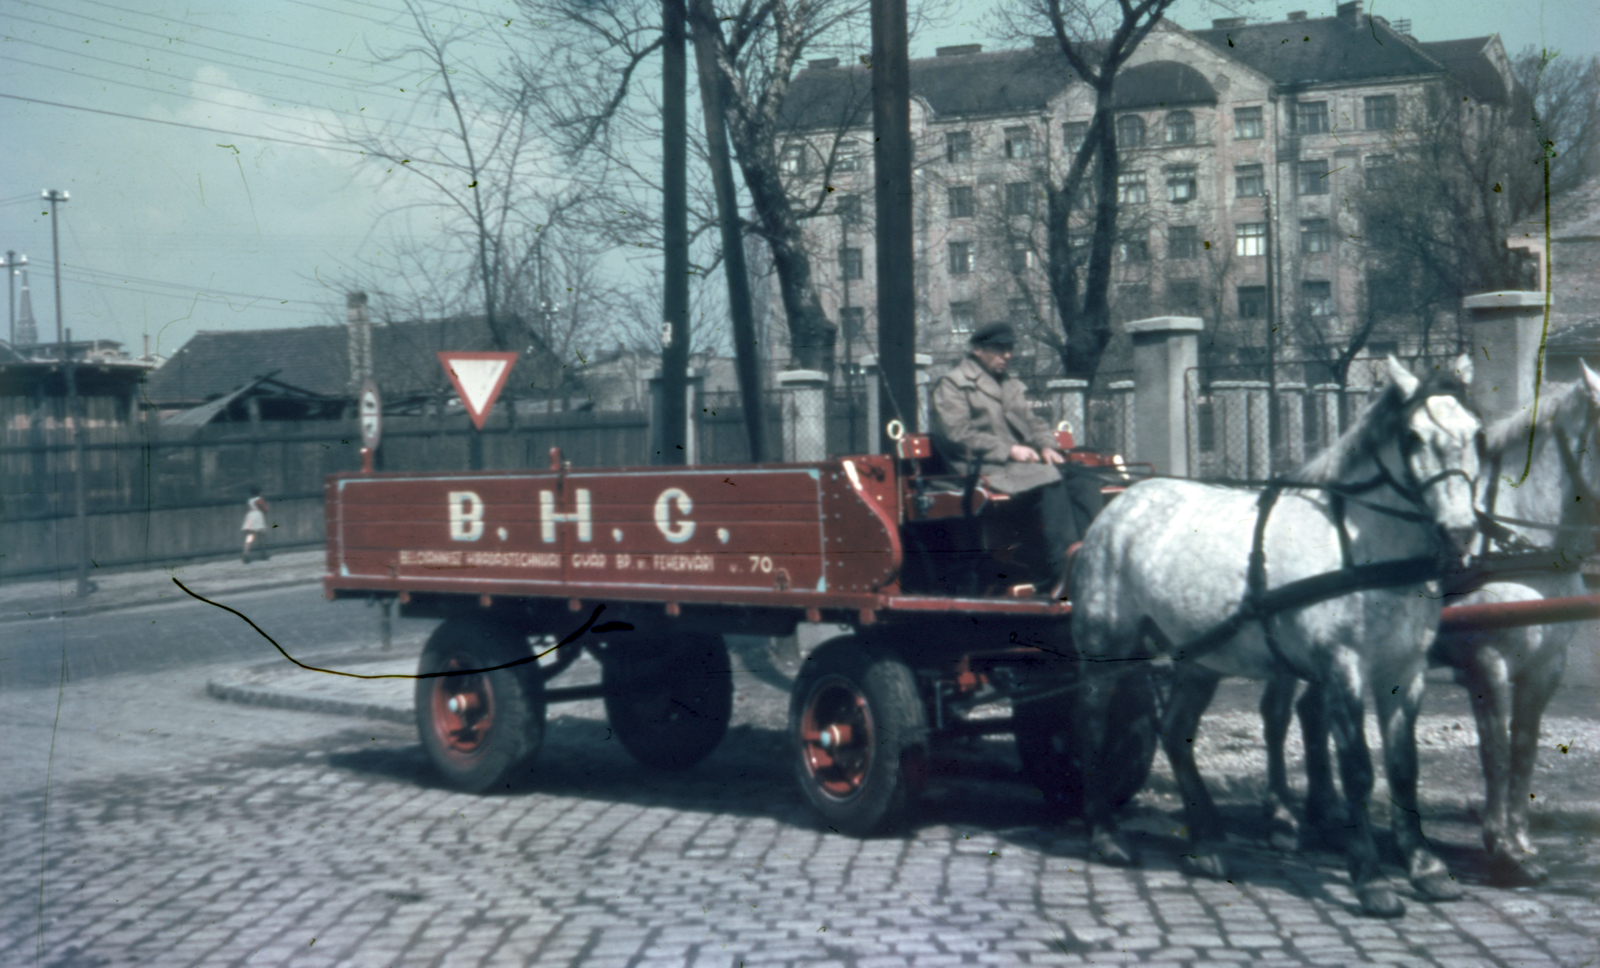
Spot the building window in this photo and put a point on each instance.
(1183, 295)
(1311, 117)
(1130, 187)
(1183, 242)
(1021, 256)
(850, 262)
(1019, 310)
(960, 258)
(1019, 198)
(1381, 113)
(958, 146)
(1249, 181)
(1073, 133)
(847, 156)
(962, 316)
(1180, 128)
(1315, 235)
(1314, 177)
(850, 322)
(848, 208)
(1182, 184)
(1317, 297)
(1019, 143)
(1247, 124)
(1252, 302)
(1380, 171)
(793, 160)
(961, 205)
(1134, 246)
(1130, 131)
(1250, 238)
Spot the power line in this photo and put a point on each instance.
(188, 43)
(175, 285)
(189, 296)
(180, 124)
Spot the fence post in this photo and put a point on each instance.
(1124, 419)
(1503, 329)
(924, 363)
(1327, 404)
(805, 415)
(875, 417)
(1164, 349)
(1067, 403)
(1292, 405)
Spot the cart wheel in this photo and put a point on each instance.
(669, 701)
(860, 737)
(1048, 745)
(480, 729)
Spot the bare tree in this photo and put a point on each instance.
(1565, 95)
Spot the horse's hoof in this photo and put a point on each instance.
(1508, 870)
(1207, 864)
(1282, 831)
(1106, 848)
(1378, 900)
(1437, 886)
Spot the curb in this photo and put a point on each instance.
(95, 609)
(258, 696)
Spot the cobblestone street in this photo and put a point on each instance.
(342, 850)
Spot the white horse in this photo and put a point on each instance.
(1509, 673)
(1170, 562)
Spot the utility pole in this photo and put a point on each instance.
(675, 235)
(13, 263)
(1272, 324)
(891, 179)
(55, 197)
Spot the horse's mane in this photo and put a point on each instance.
(1560, 403)
(1377, 425)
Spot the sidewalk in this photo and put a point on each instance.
(22, 601)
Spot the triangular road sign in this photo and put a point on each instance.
(478, 379)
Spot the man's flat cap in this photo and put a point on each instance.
(995, 336)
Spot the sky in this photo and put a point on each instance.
(194, 140)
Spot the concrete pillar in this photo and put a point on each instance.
(1238, 408)
(1260, 431)
(1124, 420)
(1165, 350)
(1067, 404)
(875, 419)
(1503, 330)
(1292, 409)
(1326, 400)
(805, 415)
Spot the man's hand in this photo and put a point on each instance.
(1053, 456)
(1023, 454)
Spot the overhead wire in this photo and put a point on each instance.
(46, 263)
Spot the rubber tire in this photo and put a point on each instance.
(514, 699)
(669, 702)
(1047, 745)
(894, 747)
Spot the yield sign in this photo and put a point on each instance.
(478, 379)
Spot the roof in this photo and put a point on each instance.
(1325, 50)
(1580, 339)
(1468, 62)
(1159, 84)
(1000, 82)
(316, 360)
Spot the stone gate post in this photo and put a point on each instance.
(805, 414)
(1165, 349)
(1503, 329)
(1067, 404)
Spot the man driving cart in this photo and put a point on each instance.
(984, 425)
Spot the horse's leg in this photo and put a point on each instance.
(1192, 688)
(1489, 687)
(1326, 824)
(1531, 692)
(1397, 715)
(1342, 687)
(1092, 714)
(1277, 707)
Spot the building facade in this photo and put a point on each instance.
(1241, 148)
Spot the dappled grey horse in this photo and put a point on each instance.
(1205, 574)
(1509, 673)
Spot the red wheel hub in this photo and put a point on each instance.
(462, 709)
(836, 737)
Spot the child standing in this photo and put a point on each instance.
(255, 522)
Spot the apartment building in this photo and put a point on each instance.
(1240, 147)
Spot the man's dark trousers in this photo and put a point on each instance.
(1065, 510)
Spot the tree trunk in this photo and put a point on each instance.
(1090, 331)
(811, 335)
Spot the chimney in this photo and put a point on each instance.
(27, 326)
(822, 63)
(959, 50)
(1297, 15)
(360, 340)
(1221, 22)
(1350, 13)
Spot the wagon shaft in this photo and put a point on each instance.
(1504, 615)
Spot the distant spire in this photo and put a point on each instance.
(27, 329)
